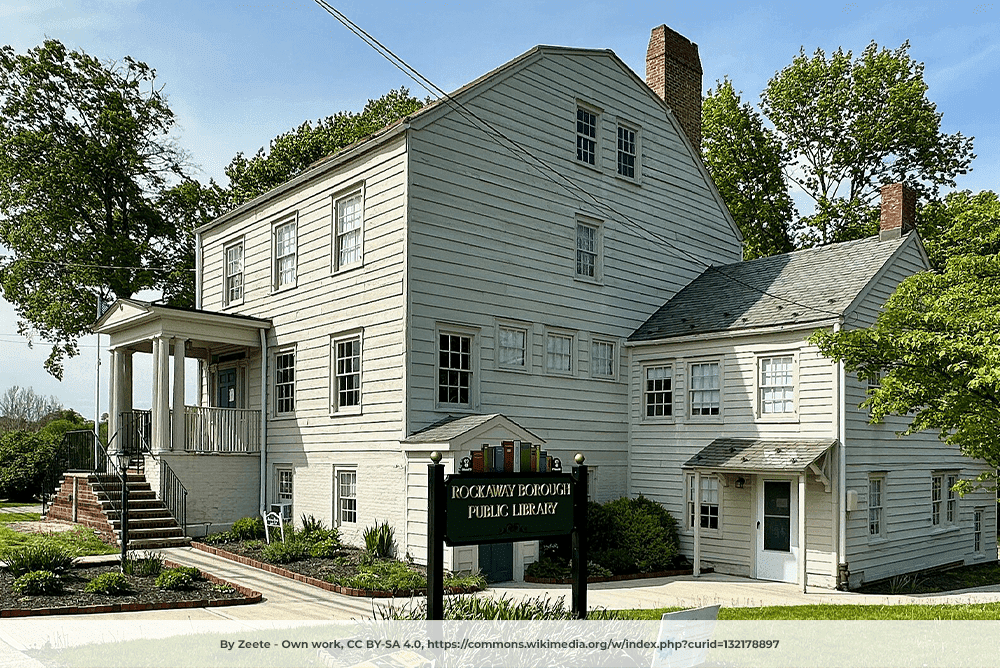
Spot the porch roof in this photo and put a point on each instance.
(133, 323)
(756, 454)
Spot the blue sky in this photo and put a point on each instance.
(239, 73)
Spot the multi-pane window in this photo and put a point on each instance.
(347, 496)
(586, 250)
(284, 485)
(559, 353)
(347, 373)
(454, 369)
(626, 152)
(937, 482)
(977, 529)
(602, 359)
(586, 136)
(234, 274)
(951, 498)
(704, 391)
(350, 217)
(777, 391)
(284, 255)
(512, 347)
(284, 381)
(704, 502)
(875, 505)
(658, 393)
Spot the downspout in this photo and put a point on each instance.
(842, 566)
(263, 420)
(197, 270)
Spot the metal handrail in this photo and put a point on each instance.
(83, 451)
(172, 491)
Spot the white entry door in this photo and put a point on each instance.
(777, 530)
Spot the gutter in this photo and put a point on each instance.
(841, 555)
(197, 270)
(263, 421)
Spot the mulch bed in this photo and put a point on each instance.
(207, 592)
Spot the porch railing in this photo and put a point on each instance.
(221, 429)
(135, 432)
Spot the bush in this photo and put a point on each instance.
(556, 567)
(617, 560)
(391, 576)
(37, 557)
(37, 583)
(147, 564)
(641, 531)
(25, 461)
(175, 578)
(311, 524)
(109, 584)
(379, 540)
(484, 607)
(326, 548)
(247, 528)
(292, 549)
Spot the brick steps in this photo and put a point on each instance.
(150, 523)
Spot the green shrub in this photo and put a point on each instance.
(248, 528)
(25, 461)
(37, 583)
(36, 557)
(556, 567)
(643, 530)
(147, 564)
(379, 540)
(466, 581)
(292, 549)
(326, 548)
(109, 584)
(617, 560)
(391, 576)
(175, 578)
(484, 607)
(312, 525)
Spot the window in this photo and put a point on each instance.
(777, 392)
(512, 347)
(951, 498)
(348, 238)
(559, 353)
(936, 482)
(659, 396)
(704, 391)
(454, 369)
(603, 361)
(977, 530)
(626, 152)
(944, 499)
(706, 502)
(586, 136)
(876, 484)
(283, 484)
(284, 382)
(347, 497)
(587, 250)
(284, 255)
(347, 374)
(233, 290)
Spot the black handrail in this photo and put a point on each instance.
(83, 451)
(173, 494)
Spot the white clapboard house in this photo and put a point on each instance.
(482, 271)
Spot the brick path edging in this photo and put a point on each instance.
(250, 597)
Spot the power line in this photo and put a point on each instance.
(532, 160)
(90, 266)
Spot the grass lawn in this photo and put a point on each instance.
(79, 541)
(856, 612)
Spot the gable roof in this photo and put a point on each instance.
(793, 289)
(754, 454)
(451, 428)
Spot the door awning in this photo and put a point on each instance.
(752, 455)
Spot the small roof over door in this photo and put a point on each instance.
(752, 455)
(458, 433)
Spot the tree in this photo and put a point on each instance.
(850, 125)
(960, 224)
(84, 156)
(745, 160)
(22, 409)
(291, 153)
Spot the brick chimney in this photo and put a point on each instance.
(673, 71)
(899, 211)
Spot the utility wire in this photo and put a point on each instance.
(532, 160)
(89, 266)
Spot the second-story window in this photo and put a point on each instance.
(776, 387)
(704, 392)
(587, 253)
(586, 136)
(559, 353)
(626, 152)
(284, 382)
(455, 369)
(285, 255)
(233, 290)
(348, 237)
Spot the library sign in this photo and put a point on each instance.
(505, 508)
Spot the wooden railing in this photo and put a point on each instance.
(221, 429)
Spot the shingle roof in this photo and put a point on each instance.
(745, 454)
(794, 288)
(452, 427)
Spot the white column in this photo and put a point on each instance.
(126, 388)
(161, 383)
(114, 389)
(802, 531)
(697, 522)
(177, 427)
(199, 399)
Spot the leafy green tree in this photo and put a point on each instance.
(960, 224)
(850, 125)
(291, 153)
(745, 160)
(85, 153)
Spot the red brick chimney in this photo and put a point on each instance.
(673, 71)
(899, 211)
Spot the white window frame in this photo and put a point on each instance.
(227, 299)
(950, 498)
(697, 503)
(338, 263)
(472, 371)
(553, 336)
(587, 143)
(876, 506)
(525, 333)
(281, 352)
(277, 273)
(596, 372)
(595, 253)
(793, 386)
(693, 391)
(340, 497)
(978, 515)
(627, 127)
(336, 407)
(280, 495)
(667, 416)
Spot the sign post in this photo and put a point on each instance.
(481, 508)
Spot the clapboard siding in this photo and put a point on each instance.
(491, 239)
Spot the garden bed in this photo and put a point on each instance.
(208, 591)
(617, 578)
